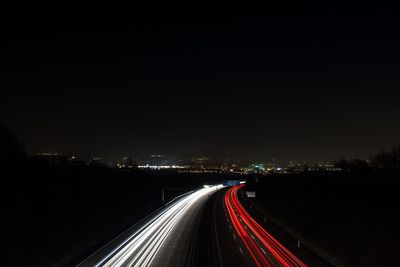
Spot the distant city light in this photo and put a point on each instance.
(159, 167)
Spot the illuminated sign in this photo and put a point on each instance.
(250, 194)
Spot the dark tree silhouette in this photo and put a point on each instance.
(10, 146)
(359, 166)
(387, 160)
(343, 165)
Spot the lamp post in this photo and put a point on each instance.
(168, 188)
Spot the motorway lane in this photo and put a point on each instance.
(198, 229)
(263, 248)
(216, 243)
(179, 248)
(165, 239)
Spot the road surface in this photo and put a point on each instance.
(261, 246)
(167, 238)
(207, 227)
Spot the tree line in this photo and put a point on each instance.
(385, 161)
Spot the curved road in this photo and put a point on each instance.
(263, 248)
(165, 239)
(207, 227)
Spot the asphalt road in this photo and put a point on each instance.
(220, 243)
(216, 242)
(308, 256)
(264, 249)
(166, 238)
(207, 227)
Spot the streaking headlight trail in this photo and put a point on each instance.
(141, 248)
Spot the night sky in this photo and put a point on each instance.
(291, 86)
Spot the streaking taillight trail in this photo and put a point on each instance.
(263, 248)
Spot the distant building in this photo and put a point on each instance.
(296, 166)
(127, 162)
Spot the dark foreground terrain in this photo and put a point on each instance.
(58, 215)
(350, 220)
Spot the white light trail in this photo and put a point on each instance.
(141, 248)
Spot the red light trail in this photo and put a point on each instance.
(263, 248)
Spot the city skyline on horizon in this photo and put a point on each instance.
(193, 157)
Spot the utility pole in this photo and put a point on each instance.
(168, 188)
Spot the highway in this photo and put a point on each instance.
(167, 238)
(207, 227)
(262, 248)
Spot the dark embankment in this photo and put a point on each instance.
(353, 219)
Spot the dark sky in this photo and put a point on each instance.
(292, 86)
